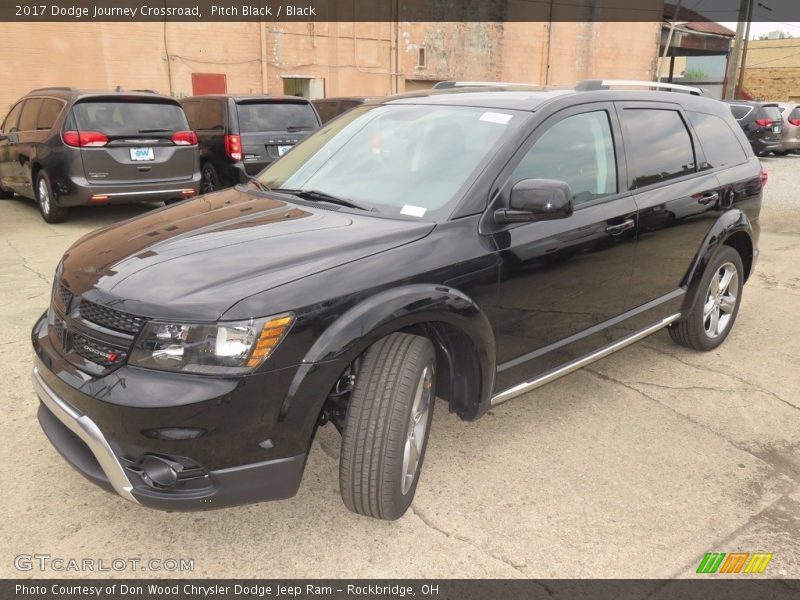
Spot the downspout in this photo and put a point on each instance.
(262, 34)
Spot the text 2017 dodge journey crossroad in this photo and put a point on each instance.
(63, 147)
(468, 245)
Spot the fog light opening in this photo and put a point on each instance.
(157, 472)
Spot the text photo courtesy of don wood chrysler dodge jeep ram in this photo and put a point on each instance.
(469, 245)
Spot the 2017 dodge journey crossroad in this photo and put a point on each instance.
(469, 245)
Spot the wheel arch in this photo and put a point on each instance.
(734, 229)
(459, 330)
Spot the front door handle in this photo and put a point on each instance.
(620, 227)
(708, 198)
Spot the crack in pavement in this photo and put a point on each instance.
(25, 265)
(749, 384)
(431, 525)
(792, 476)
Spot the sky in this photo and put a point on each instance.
(757, 29)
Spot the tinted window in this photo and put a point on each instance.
(275, 116)
(27, 121)
(210, 115)
(773, 113)
(129, 118)
(47, 116)
(740, 111)
(720, 144)
(12, 119)
(658, 146)
(190, 110)
(578, 150)
(409, 159)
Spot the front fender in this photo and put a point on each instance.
(443, 309)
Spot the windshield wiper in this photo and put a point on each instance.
(155, 131)
(317, 196)
(262, 186)
(298, 127)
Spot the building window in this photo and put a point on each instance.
(422, 58)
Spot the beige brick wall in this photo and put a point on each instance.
(351, 58)
(772, 70)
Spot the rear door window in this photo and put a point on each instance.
(51, 108)
(720, 144)
(12, 120)
(124, 117)
(740, 111)
(276, 116)
(27, 120)
(658, 146)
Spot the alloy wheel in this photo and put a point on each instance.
(721, 299)
(417, 428)
(44, 196)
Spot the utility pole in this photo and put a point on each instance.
(735, 56)
(743, 62)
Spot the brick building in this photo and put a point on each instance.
(772, 70)
(316, 59)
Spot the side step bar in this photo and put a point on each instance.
(574, 365)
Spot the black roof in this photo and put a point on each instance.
(252, 98)
(76, 94)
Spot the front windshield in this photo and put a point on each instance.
(406, 159)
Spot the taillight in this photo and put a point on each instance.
(233, 146)
(84, 139)
(184, 138)
(763, 176)
(795, 122)
(763, 122)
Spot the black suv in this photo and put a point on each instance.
(65, 147)
(470, 246)
(240, 135)
(762, 123)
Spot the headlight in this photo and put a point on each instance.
(218, 348)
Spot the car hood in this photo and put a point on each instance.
(196, 259)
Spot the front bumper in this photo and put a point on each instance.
(81, 442)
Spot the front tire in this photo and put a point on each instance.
(386, 429)
(716, 305)
(50, 211)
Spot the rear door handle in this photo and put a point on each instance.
(620, 227)
(708, 198)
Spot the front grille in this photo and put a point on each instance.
(60, 329)
(62, 297)
(110, 318)
(97, 352)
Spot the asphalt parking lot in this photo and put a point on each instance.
(634, 467)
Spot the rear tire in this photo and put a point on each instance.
(716, 304)
(210, 179)
(780, 152)
(50, 211)
(386, 429)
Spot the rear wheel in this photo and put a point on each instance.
(210, 179)
(780, 152)
(714, 310)
(387, 425)
(50, 211)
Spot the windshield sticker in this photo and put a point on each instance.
(493, 117)
(413, 211)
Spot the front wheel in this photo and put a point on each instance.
(50, 211)
(716, 305)
(387, 425)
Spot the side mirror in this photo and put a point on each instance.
(537, 200)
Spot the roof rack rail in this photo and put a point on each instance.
(53, 88)
(450, 84)
(588, 85)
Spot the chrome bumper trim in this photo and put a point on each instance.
(87, 430)
(143, 193)
(578, 363)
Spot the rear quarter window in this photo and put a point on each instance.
(719, 142)
(740, 111)
(658, 145)
(275, 116)
(123, 117)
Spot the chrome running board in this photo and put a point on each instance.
(574, 365)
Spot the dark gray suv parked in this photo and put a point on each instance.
(64, 147)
